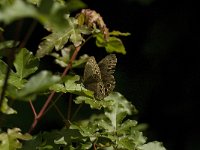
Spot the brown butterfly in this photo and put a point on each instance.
(99, 77)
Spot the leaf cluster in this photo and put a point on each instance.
(21, 80)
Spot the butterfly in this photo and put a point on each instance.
(99, 77)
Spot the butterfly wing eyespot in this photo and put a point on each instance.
(99, 77)
(107, 69)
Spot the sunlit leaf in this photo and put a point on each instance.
(7, 109)
(64, 58)
(119, 110)
(60, 141)
(72, 86)
(125, 143)
(152, 146)
(138, 137)
(13, 77)
(113, 44)
(125, 126)
(11, 139)
(58, 39)
(118, 33)
(25, 63)
(94, 104)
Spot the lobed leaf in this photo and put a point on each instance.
(11, 139)
(153, 146)
(58, 39)
(94, 104)
(25, 63)
(13, 80)
(113, 44)
(7, 109)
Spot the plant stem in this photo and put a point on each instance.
(41, 113)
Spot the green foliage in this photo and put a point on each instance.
(11, 139)
(21, 79)
(25, 63)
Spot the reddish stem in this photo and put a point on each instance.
(39, 116)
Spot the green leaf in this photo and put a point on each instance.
(72, 86)
(3, 67)
(74, 5)
(118, 33)
(13, 80)
(6, 109)
(119, 110)
(17, 10)
(11, 139)
(152, 146)
(58, 39)
(137, 136)
(113, 44)
(125, 126)
(60, 141)
(64, 58)
(125, 143)
(65, 138)
(94, 104)
(37, 84)
(25, 63)
(52, 17)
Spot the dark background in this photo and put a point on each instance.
(160, 73)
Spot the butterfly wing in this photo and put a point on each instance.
(107, 68)
(92, 78)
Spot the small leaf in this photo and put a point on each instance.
(72, 87)
(152, 146)
(6, 109)
(119, 109)
(13, 80)
(94, 104)
(125, 143)
(113, 44)
(126, 126)
(11, 139)
(60, 141)
(118, 33)
(137, 137)
(25, 63)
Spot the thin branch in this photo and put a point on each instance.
(42, 111)
(33, 109)
(53, 103)
(60, 113)
(76, 112)
(69, 107)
